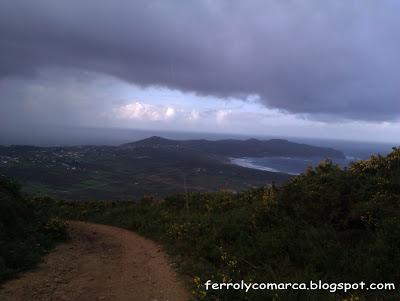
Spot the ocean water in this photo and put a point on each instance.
(353, 151)
(289, 165)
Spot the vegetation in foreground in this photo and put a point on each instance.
(327, 224)
(26, 231)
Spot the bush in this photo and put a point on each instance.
(25, 235)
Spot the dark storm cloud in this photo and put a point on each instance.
(337, 58)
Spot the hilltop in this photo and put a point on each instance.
(242, 148)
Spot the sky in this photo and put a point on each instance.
(305, 68)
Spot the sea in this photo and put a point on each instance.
(353, 151)
(289, 165)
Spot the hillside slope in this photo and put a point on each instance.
(327, 224)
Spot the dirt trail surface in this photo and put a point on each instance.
(100, 263)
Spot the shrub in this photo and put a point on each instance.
(25, 235)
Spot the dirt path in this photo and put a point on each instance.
(100, 263)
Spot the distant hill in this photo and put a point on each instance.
(242, 148)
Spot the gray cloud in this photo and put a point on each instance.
(337, 58)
